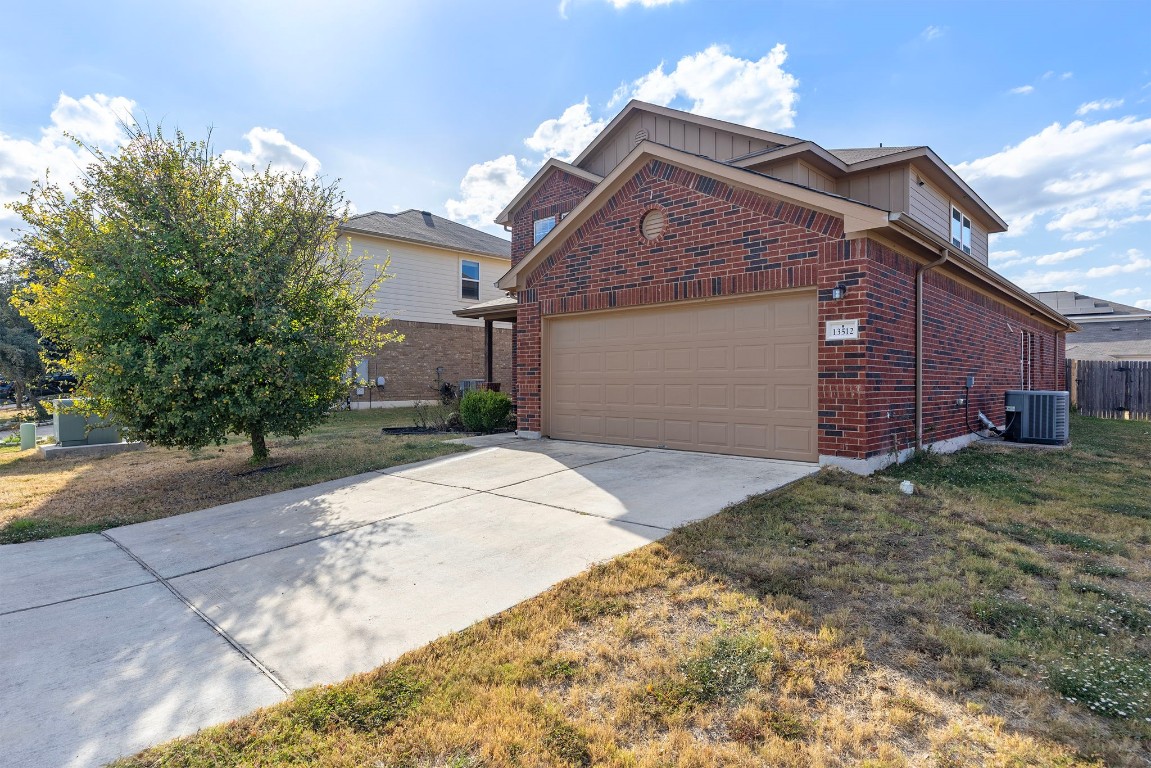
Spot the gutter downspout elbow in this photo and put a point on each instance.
(919, 302)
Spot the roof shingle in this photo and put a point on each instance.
(423, 227)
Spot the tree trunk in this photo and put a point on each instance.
(259, 448)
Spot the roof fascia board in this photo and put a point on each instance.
(505, 215)
(936, 164)
(677, 114)
(857, 217)
(425, 243)
(910, 227)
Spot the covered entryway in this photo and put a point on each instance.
(736, 376)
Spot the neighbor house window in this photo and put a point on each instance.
(542, 227)
(960, 230)
(469, 279)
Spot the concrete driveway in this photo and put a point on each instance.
(113, 642)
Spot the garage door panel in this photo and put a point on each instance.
(678, 395)
(731, 376)
(713, 395)
(797, 356)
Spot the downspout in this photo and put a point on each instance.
(943, 253)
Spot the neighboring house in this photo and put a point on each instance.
(694, 284)
(1107, 330)
(437, 266)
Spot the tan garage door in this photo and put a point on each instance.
(731, 376)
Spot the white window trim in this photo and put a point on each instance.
(460, 278)
(964, 220)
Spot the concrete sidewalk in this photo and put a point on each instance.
(121, 640)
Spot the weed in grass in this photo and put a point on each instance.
(1106, 683)
(1103, 570)
(1139, 509)
(1008, 618)
(1032, 568)
(1122, 607)
(723, 668)
(786, 725)
(370, 706)
(587, 609)
(568, 744)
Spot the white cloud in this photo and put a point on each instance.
(94, 119)
(1061, 256)
(1023, 89)
(564, 137)
(1098, 106)
(1143, 304)
(1001, 260)
(485, 190)
(714, 83)
(270, 147)
(619, 5)
(931, 32)
(1078, 178)
(1133, 261)
(1136, 262)
(1120, 292)
(1066, 76)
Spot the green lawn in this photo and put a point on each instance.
(997, 617)
(42, 499)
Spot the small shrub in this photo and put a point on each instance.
(484, 410)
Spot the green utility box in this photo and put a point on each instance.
(77, 429)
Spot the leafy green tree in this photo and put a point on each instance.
(20, 349)
(196, 300)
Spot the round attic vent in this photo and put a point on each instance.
(652, 224)
(640, 135)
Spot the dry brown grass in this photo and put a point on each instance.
(40, 499)
(838, 623)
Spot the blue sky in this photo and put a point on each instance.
(1044, 107)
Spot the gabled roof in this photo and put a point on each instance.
(422, 227)
(678, 114)
(851, 156)
(856, 216)
(539, 177)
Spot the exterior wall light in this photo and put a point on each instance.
(838, 292)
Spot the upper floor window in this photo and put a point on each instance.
(542, 227)
(469, 279)
(960, 230)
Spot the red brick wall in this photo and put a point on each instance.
(721, 242)
(965, 333)
(410, 366)
(718, 242)
(558, 194)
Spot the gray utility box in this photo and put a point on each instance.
(1037, 416)
(75, 429)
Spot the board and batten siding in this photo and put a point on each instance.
(931, 208)
(798, 172)
(671, 132)
(425, 282)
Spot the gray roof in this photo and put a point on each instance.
(1108, 350)
(1087, 308)
(423, 227)
(859, 155)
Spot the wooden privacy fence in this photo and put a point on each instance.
(1111, 389)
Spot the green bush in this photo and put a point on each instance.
(483, 410)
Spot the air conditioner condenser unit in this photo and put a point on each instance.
(1037, 416)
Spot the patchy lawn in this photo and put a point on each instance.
(998, 617)
(42, 499)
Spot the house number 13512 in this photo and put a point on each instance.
(841, 330)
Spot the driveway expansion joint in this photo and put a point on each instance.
(77, 597)
(223, 633)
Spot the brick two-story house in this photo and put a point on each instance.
(695, 284)
(438, 266)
